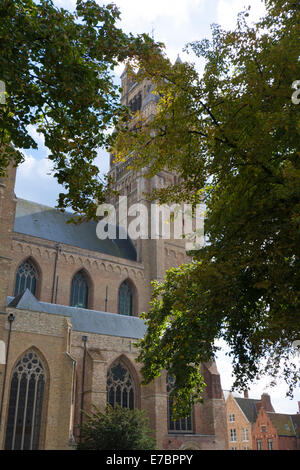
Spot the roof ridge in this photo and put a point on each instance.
(248, 399)
(281, 414)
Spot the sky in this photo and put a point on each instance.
(175, 23)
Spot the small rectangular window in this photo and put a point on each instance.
(233, 435)
(231, 417)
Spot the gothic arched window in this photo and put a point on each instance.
(125, 299)
(25, 404)
(79, 290)
(119, 386)
(180, 425)
(26, 278)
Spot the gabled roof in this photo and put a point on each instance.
(47, 223)
(83, 320)
(248, 407)
(283, 423)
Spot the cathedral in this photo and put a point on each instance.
(69, 320)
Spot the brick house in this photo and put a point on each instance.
(241, 415)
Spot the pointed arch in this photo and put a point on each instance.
(123, 384)
(28, 276)
(81, 289)
(127, 298)
(27, 401)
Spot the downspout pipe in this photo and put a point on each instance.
(10, 318)
(54, 295)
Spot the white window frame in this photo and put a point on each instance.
(233, 435)
(245, 432)
(270, 441)
(260, 444)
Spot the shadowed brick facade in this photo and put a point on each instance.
(276, 431)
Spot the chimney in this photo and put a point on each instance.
(266, 402)
(246, 394)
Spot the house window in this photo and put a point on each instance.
(183, 425)
(259, 444)
(270, 444)
(231, 417)
(25, 404)
(125, 299)
(245, 434)
(79, 290)
(119, 386)
(233, 435)
(26, 278)
(263, 429)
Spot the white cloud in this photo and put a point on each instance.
(37, 136)
(227, 11)
(35, 182)
(177, 11)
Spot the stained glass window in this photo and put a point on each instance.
(79, 290)
(125, 299)
(26, 278)
(180, 425)
(25, 404)
(120, 389)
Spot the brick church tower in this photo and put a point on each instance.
(157, 254)
(75, 300)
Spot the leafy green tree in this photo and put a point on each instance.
(232, 136)
(116, 429)
(57, 69)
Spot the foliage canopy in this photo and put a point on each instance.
(232, 135)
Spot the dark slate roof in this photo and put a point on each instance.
(83, 320)
(283, 423)
(248, 406)
(50, 224)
